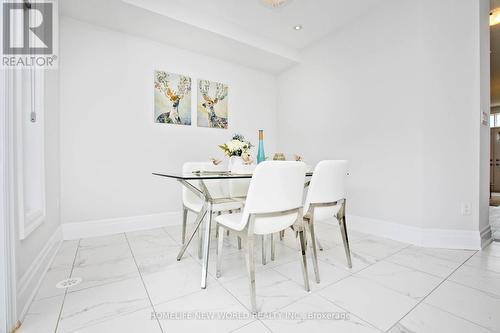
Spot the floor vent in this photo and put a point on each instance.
(66, 283)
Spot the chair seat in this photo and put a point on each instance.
(231, 221)
(324, 213)
(217, 207)
(240, 199)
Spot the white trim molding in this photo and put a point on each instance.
(433, 238)
(29, 283)
(8, 315)
(112, 226)
(436, 238)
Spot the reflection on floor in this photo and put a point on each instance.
(495, 222)
(392, 287)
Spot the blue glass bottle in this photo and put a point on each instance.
(260, 154)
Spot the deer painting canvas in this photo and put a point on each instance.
(172, 98)
(212, 104)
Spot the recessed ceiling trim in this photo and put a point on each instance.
(222, 28)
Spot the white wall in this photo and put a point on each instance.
(109, 142)
(397, 94)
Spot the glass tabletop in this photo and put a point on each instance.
(206, 175)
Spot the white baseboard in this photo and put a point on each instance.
(104, 227)
(434, 238)
(28, 284)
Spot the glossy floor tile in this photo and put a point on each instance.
(133, 283)
(337, 320)
(93, 306)
(428, 319)
(375, 303)
(476, 306)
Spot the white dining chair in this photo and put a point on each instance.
(191, 202)
(273, 204)
(326, 198)
(238, 188)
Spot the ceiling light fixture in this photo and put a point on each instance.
(297, 27)
(275, 3)
(495, 17)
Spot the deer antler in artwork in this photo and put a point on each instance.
(184, 86)
(161, 81)
(220, 91)
(204, 88)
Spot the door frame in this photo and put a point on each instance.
(8, 311)
(8, 308)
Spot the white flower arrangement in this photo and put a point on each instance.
(237, 146)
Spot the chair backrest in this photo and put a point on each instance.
(327, 185)
(276, 186)
(215, 187)
(239, 187)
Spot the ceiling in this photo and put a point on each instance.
(318, 17)
(242, 31)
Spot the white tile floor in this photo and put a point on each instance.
(392, 288)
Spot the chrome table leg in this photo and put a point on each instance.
(273, 248)
(184, 223)
(200, 242)
(197, 223)
(264, 249)
(206, 247)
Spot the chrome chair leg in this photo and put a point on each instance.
(343, 231)
(220, 244)
(239, 243)
(302, 251)
(184, 223)
(320, 247)
(264, 249)
(314, 252)
(273, 248)
(251, 272)
(282, 234)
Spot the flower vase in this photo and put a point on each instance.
(261, 156)
(235, 162)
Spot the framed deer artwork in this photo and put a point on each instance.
(212, 104)
(172, 98)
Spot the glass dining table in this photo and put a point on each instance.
(196, 182)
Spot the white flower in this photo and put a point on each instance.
(235, 145)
